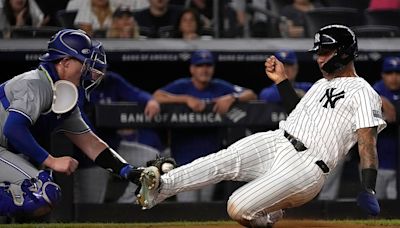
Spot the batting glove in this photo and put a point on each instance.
(367, 201)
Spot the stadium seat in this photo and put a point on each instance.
(33, 32)
(383, 17)
(376, 31)
(277, 5)
(320, 17)
(66, 18)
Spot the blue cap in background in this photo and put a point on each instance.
(286, 56)
(202, 57)
(391, 64)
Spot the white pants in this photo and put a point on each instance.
(278, 176)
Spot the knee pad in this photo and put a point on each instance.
(50, 191)
(8, 206)
(37, 197)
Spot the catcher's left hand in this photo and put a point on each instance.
(164, 164)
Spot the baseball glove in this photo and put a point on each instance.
(164, 164)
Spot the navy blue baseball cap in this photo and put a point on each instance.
(202, 57)
(286, 56)
(391, 64)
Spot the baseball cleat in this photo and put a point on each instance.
(150, 180)
(275, 216)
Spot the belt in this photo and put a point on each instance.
(323, 166)
(299, 146)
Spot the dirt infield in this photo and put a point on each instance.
(221, 224)
(315, 224)
(293, 224)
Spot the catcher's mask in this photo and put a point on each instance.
(339, 38)
(97, 70)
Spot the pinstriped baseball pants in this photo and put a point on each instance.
(278, 176)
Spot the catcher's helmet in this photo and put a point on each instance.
(68, 43)
(340, 38)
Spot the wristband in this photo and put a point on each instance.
(289, 97)
(368, 179)
(110, 160)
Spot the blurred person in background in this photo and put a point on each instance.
(95, 16)
(189, 25)
(195, 92)
(158, 20)
(388, 147)
(295, 15)
(50, 9)
(123, 25)
(18, 13)
(132, 4)
(230, 22)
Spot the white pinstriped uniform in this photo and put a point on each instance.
(325, 120)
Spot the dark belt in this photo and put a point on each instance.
(299, 146)
(323, 166)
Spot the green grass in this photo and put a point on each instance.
(384, 222)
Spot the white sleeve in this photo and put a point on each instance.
(36, 13)
(368, 109)
(84, 15)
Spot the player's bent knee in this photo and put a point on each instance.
(234, 210)
(238, 211)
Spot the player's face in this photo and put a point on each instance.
(71, 70)
(202, 73)
(391, 80)
(188, 23)
(324, 55)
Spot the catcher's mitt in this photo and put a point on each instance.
(164, 164)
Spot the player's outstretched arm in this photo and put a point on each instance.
(369, 164)
(104, 156)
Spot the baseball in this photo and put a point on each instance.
(166, 167)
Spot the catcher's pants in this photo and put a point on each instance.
(15, 169)
(278, 176)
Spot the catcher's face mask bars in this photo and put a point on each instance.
(92, 77)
